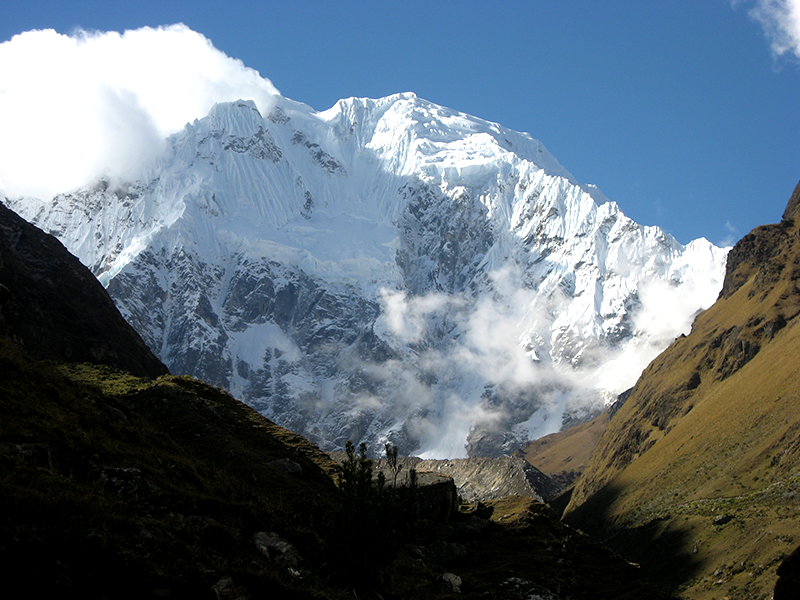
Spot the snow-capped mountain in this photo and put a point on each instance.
(385, 269)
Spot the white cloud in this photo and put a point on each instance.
(406, 317)
(780, 20)
(73, 108)
(479, 371)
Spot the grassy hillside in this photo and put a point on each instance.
(117, 486)
(564, 455)
(697, 474)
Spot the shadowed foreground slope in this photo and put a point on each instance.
(120, 487)
(696, 476)
(117, 486)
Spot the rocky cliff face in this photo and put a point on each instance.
(478, 479)
(385, 270)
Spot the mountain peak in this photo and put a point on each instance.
(238, 118)
(387, 269)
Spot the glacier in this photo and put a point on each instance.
(385, 270)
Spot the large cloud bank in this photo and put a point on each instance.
(73, 108)
(484, 378)
(780, 20)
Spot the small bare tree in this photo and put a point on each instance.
(391, 458)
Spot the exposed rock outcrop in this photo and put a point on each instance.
(479, 479)
(436, 496)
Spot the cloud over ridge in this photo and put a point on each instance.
(73, 108)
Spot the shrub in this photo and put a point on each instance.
(374, 516)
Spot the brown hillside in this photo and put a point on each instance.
(696, 475)
(564, 455)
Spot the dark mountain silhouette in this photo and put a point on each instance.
(57, 309)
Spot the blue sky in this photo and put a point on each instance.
(680, 111)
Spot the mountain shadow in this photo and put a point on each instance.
(658, 545)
